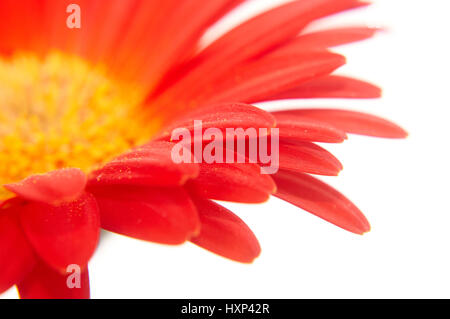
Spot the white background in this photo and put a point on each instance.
(401, 186)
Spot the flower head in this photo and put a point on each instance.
(88, 114)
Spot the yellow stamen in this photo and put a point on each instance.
(61, 112)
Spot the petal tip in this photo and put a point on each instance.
(53, 187)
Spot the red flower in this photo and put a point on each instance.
(81, 109)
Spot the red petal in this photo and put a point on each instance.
(325, 39)
(298, 128)
(16, 255)
(149, 165)
(321, 200)
(293, 155)
(65, 234)
(332, 86)
(352, 122)
(46, 283)
(308, 158)
(235, 182)
(338, 36)
(52, 188)
(159, 48)
(224, 233)
(222, 116)
(268, 76)
(255, 37)
(163, 215)
(185, 36)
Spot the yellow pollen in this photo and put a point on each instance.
(59, 112)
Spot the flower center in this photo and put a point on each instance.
(61, 112)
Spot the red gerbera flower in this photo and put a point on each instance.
(82, 108)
